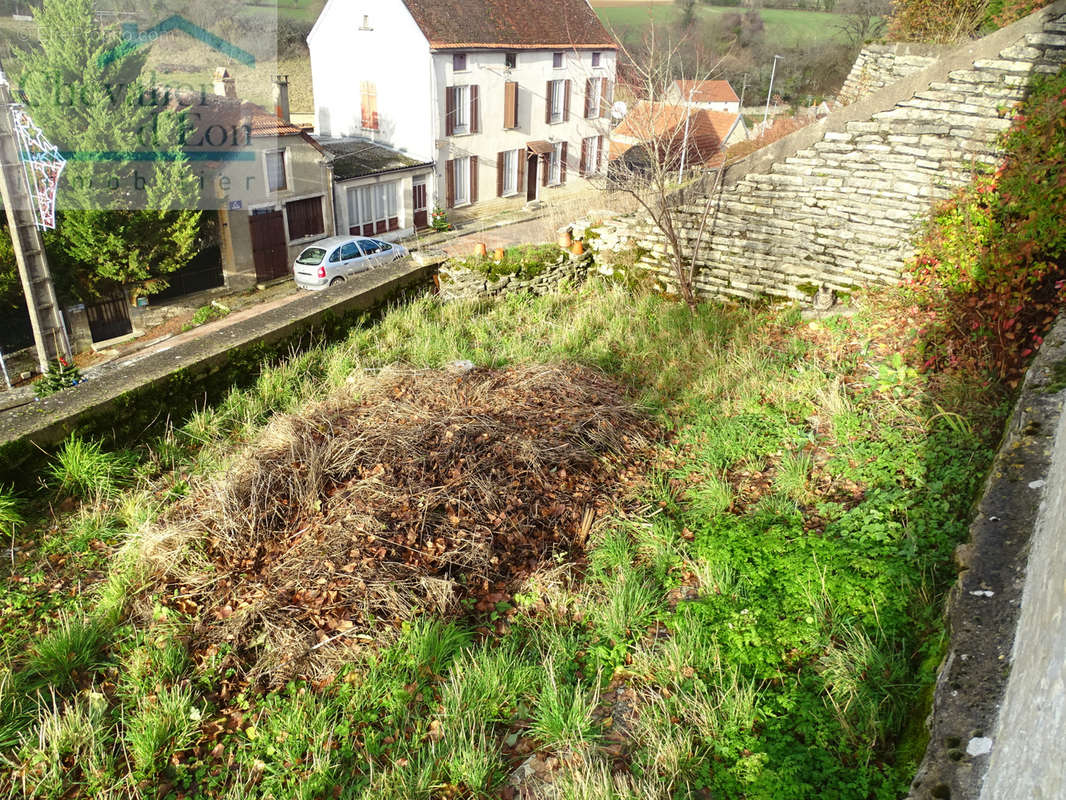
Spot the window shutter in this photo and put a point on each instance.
(510, 105)
(449, 179)
(500, 161)
(607, 93)
(449, 112)
(588, 97)
(474, 109)
(583, 168)
(566, 101)
(473, 179)
(599, 155)
(520, 184)
(545, 169)
(562, 165)
(548, 103)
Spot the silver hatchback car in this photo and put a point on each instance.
(330, 261)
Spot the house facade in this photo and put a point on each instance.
(509, 106)
(705, 95)
(269, 180)
(678, 136)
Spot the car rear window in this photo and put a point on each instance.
(312, 255)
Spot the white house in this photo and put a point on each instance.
(507, 99)
(706, 95)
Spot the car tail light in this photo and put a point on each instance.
(322, 272)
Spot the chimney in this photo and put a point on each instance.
(225, 85)
(281, 97)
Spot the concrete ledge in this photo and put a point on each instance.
(962, 57)
(48, 422)
(983, 607)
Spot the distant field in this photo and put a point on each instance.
(784, 26)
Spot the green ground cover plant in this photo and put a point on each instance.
(521, 261)
(758, 619)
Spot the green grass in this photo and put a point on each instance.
(783, 26)
(761, 622)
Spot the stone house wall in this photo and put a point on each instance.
(841, 201)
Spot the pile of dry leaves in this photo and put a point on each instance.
(409, 493)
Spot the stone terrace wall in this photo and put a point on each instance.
(461, 283)
(881, 65)
(840, 202)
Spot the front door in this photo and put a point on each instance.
(269, 251)
(421, 218)
(532, 184)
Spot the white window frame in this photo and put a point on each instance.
(372, 203)
(555, 165)
(461, 177)
(284, 170)
(466, 62)
(510, 172)
(561, 58)
(592, 152)
(461, 124)
(597, 58)
(595, 101)
(558, 101)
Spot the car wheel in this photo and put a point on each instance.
(335, 281)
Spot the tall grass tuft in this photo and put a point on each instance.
(11, 518)
(562, 719)
(67, 653)
(159, 728)
(82, 469)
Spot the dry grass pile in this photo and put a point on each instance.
(413, 491)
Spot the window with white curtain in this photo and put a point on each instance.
(374, 209)
(555, 166)
(510, 172)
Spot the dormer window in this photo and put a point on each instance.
(458, 62)
(595, 59)
(557, 60)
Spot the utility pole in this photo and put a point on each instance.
(770, 91)
(49, 334)
(684, 142)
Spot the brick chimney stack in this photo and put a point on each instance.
(225, 84)
(281, 97)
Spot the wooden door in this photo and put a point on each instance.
(421, 217)
(269, 251)
(532, 160)
(109, 318)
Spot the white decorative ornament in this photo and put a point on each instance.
(43, 165)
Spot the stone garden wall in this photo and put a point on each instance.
(457, 282)
(881, 65)
(840, 202)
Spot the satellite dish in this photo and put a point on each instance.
(618, 110)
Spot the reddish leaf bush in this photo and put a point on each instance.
(991, 266)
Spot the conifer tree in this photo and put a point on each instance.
(127, 198)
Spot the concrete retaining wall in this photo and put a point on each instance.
(840, 201)
(998, 723)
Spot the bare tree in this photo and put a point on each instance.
(664, 142)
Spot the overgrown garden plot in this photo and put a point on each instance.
(754, 610)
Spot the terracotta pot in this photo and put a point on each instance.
(480, 250)
(498, 255)
(577, 248)
(565, 240)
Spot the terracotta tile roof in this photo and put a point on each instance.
(517, 24)
(708, 91)
(664, 125)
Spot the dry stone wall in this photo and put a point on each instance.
(458, 282)
(840, 202)
(881, 65)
